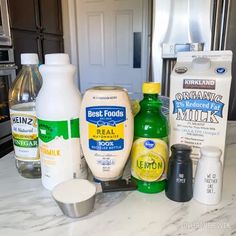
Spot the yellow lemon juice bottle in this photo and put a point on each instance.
(149, 154)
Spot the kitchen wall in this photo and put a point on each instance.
(70, 32)
(66, 26)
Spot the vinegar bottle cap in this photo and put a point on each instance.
(29, 59)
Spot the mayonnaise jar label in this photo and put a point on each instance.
(106, 127)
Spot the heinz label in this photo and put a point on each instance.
(25, 135)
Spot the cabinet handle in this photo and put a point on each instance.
(37, 27)
(40, 37)
(137, 50)
(39, 46)
(42, 28)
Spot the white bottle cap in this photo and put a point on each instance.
(211, 151)
(201, 64)
(57, 59)
(29, 59)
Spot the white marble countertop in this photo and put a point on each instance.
(26, 208)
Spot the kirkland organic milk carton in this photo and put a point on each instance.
(199, 98)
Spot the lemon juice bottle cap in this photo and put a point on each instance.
(151, 88)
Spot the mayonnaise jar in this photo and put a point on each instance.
(106, 128)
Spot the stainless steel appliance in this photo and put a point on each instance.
(7, 75)
(187, 25)
(5, 32)
(178, 25)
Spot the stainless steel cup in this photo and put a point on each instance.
(81, 208)
(75, 202)
(78, 209)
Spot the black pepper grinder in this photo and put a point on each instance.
(179, 175)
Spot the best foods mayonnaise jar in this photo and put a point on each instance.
(106, 130)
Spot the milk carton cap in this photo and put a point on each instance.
(29, 59)
(57, 59)
(201, 64)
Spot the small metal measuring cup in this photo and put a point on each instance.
(81, 208)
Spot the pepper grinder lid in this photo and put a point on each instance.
(181, 151)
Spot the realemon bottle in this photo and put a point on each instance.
(58, 111)
(22, 97)
(150, 151)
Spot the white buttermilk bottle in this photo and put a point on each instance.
(58, 110)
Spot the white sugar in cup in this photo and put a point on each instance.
(74, 190)
(75, 197)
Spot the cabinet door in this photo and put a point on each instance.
(113, 43)
(51, 16)
(25, 42)
(24, 14)
(52, 44)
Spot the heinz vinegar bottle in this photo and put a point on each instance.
(22, 97)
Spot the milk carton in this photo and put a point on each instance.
(199, 99)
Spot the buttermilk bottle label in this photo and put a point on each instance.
(59, 149)
(55, 140)
(25, 135)
(149, 159)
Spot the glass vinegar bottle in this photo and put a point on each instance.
(22, 97)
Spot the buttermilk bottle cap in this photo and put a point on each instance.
(57, 59)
